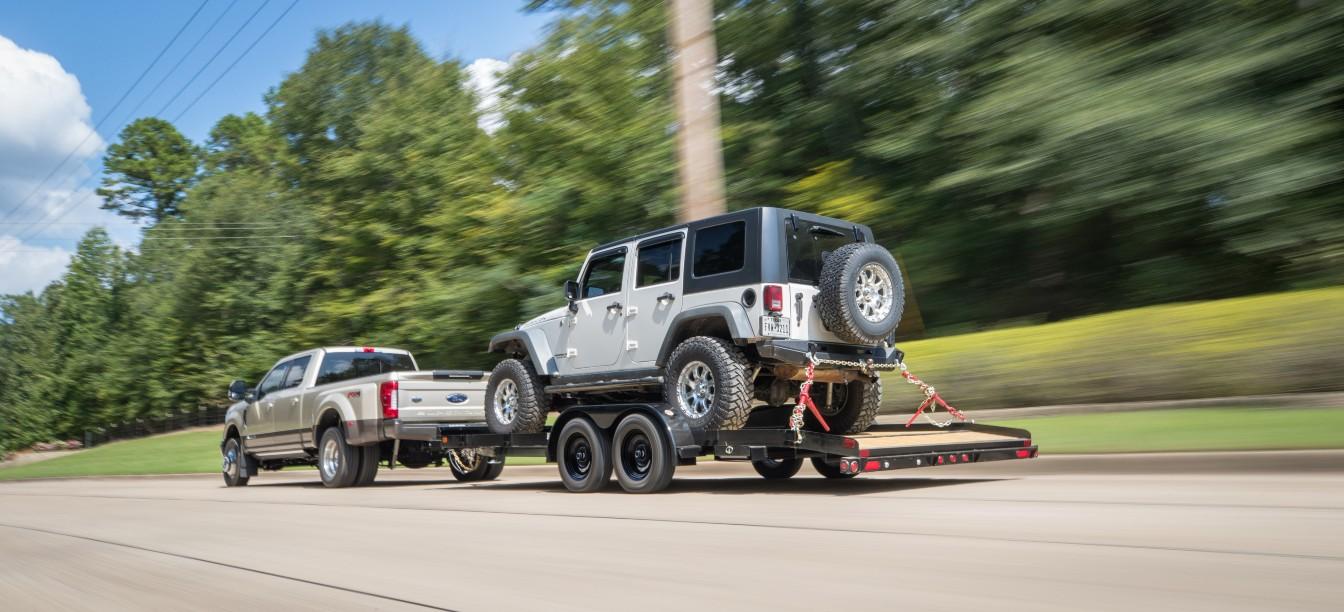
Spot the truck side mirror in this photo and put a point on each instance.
(572, 294)
(237, 390)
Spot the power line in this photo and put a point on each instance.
(114, 108)
(212, 59)
(199, 39)
(235, 62)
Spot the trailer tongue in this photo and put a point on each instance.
(644, 443)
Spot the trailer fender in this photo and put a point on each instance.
(532, 341)
(677, 432)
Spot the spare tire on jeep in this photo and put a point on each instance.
(862, 294)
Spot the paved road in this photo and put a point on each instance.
(1165, 532)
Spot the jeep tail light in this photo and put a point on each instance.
(387, 394)
(774, 298)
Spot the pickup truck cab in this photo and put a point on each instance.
(347, 409)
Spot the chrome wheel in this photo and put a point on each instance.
(331, 459)
(873, 293)
(230, 467)
(465, 460)
(695, 389)
(506, 401)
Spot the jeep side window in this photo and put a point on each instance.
(721, 248)
(659, 263)
(603, 275)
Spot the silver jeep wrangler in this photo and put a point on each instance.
(715, 318)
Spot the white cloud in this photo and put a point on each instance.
(44, 118)
(483, 76)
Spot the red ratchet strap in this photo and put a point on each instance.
(805, 397)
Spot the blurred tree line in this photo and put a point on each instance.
(1029, 160)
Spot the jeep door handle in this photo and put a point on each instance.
(666, 297)
(614, 307)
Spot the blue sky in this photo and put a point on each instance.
(103, 46)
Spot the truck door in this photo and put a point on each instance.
(655, 298)
(259, 421)
(594, 337)
(288, 404)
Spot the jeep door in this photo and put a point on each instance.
(655, 297)
(594, 336)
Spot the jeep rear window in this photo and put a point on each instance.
(719, 249)
(337, 367)
(659, 263)
(809, 245)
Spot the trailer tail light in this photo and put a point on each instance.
(774, 298)
(1024, 453)
(872, 465)
(387, 394)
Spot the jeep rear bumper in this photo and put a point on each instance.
(796, 352)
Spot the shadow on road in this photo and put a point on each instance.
(747, 486)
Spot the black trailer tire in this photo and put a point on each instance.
(368, 464)
(583, 455)
(643, 459)
(777, 469)
(854, 411)
(337, 462)
(829, 470)
(862, 294)
(414, 465)
(515, 400)
(470, 466)
(493, 470)
(235, 463)
(708, 380)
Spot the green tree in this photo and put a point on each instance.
(148, 171)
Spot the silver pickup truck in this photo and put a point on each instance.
(348, 409)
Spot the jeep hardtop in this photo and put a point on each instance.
(715, 318)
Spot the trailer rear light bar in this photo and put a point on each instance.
(858, 465)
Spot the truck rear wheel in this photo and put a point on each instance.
(848, 408)
(862, 294)
(514, 399)
(707, 381)
(583, 455)
(829, 470)
(644, 461)
(368, 465)
(235, 464)
(337, 462)
(777, 469)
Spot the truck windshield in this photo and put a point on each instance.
(337, 367)
(809, 244)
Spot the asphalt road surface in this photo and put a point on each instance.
(1166, 532)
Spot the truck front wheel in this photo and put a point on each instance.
(235, 470)
(514, 399)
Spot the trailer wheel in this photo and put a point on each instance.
(862, 293)
(235, 471)
(852, 409)
(368, 465)
(644, 461)
(777, 469)
(469, 465)
(514, 399)
(708, 380)
(583, 455)
(337, 462)
(829, 470)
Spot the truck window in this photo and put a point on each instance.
(809, 245)
(604, 275)
(273, 380)
(297, 368)
(337, 367)
(659, 263)
(721, 248)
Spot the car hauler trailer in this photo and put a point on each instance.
(642, 444)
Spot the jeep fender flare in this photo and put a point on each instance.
(732, 314)
(534, 342)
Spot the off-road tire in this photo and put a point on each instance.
(862, 400)
(836, 302)
(829, 470)
(731, 404)
(235, 473)
(778, 469)
(347, 460)
(368, 464)
(642, 458)
(529, 415)
(592, 472)
(480, 471)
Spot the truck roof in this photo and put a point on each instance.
(346, 349)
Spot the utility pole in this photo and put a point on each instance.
(699, 153)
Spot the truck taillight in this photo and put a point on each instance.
(387, 393)
(774, 298)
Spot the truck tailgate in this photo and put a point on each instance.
(450, 396)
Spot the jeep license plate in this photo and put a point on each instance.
(775, 326)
